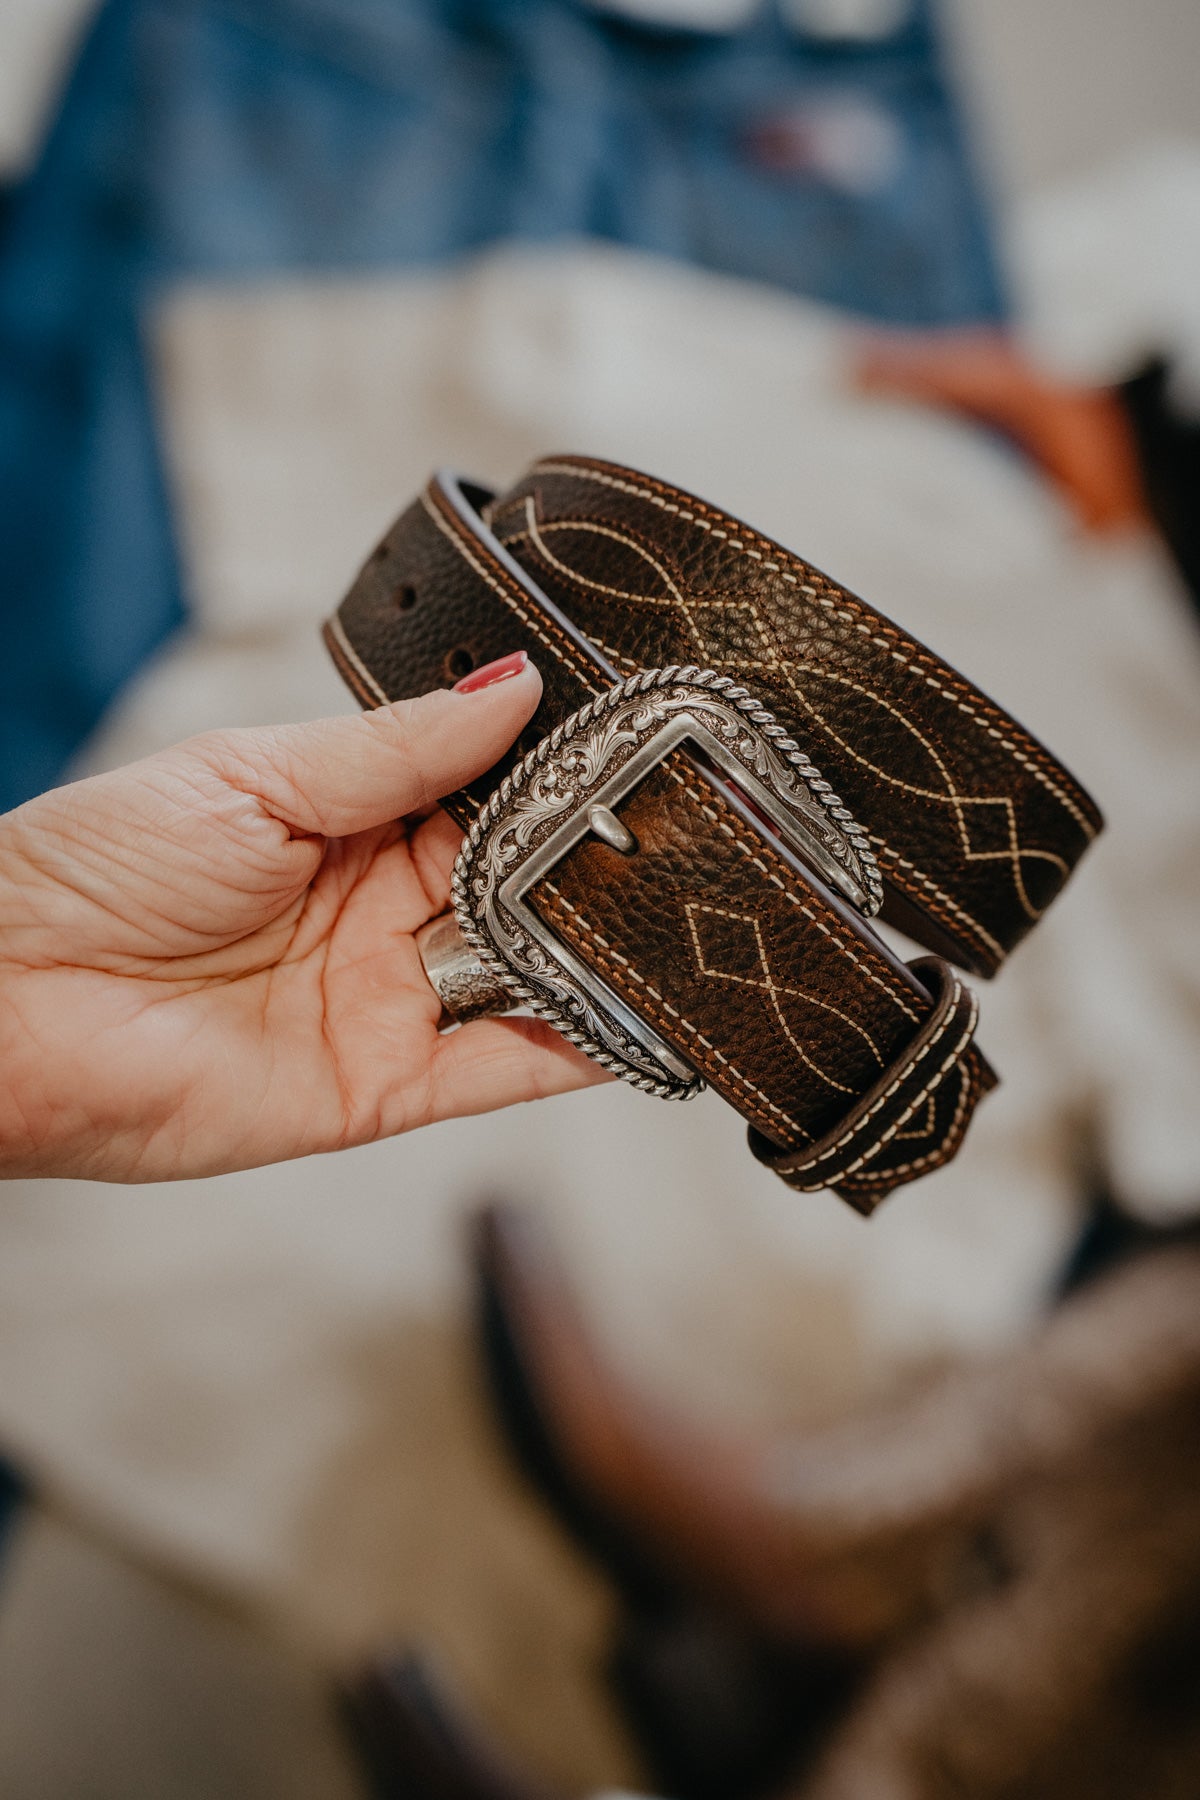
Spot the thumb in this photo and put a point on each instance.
(337, 776)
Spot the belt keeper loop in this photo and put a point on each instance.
(839, 1159)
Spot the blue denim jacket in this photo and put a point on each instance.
(222, 138)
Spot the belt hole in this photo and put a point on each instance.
(460, 662)
(404, 598)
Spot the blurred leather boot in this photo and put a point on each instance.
(417, 1740)
(663, 1504)
(720, 1707)
(718, 1711)
(1013, 1546)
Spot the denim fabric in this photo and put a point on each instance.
(225, 138)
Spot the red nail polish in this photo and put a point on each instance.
(501, 670)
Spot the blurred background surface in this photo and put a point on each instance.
(250, 1411)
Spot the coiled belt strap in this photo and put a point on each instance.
(854, 1069)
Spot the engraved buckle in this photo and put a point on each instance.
(568, 786)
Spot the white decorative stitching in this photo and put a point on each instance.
(605, 531)
(334, 628)
(686, 1024)
(574, 661)
(884, 851)
(905, 658)
(951, 797)
(771, 987)
(683, 606)
(889, 1177)
(929, 1087)
(923, 1130)
(751, 851)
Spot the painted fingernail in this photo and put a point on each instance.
(503, 669)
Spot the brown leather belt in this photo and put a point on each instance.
(658, 866)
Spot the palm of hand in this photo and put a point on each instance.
(252, 988)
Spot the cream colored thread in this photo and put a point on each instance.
(889, 1177)
(769, 984)
(923, 1130)
(687, 1025)
(352, 657)
(618, 656)
(494, 513)
(773, 663)
(883, 849)
(674, 602)
(836, 941)
(574, 661)
(604, 531)
(714, 818)
(909, 1069)
(906, 660)
(951, 797)
(749, 851)
(927, 1088)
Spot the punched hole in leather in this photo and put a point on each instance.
(714, 921)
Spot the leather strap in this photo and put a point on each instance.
(853, 1069)
(898, 1105)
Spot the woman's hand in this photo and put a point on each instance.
(207, 958)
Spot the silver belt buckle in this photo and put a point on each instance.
(569, 785)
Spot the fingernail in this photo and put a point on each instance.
(503, 669)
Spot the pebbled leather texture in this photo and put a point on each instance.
(854, 1069)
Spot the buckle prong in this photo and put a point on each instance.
(606, 825)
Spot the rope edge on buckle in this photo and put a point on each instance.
(529, 996)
